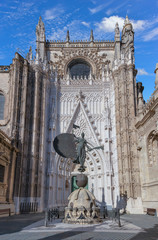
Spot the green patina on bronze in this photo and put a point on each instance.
(82, 144)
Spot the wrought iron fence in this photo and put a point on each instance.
(112, 214)
(28, 207)
(52, 214)
(58, 213)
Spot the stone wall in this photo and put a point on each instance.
(7, 165)
(147, 130)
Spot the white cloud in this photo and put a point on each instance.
(93, 1)
(20, 11)
(12, 7)
(100, 7)
(151, 35)
(109, 12)
(115, 9)
(108, 24)
(139, 24)
(5, 12)
(21, 34)
(27, 4)
(141, 71)
(96, 9)
(58, 34)
(86, 24)
(53, 13)
(75, 30)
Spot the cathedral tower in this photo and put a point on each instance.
(124, 75)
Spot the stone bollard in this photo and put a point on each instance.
(46, 219)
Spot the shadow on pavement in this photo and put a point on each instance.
(16, 223)
(60, 236)
(150, 233)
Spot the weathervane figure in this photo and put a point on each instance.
(68, 145)
(81, 146)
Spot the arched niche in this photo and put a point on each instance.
(152, 143)
(80, 67)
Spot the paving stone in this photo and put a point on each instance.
(134, 227)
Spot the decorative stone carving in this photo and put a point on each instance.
(153, 147)
(82, 208)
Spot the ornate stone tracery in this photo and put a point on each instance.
(91, 56)
(152, 143)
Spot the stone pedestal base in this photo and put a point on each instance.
(82, 208)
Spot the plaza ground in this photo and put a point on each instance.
(31, 227)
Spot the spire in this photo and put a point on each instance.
(67, 36)
(127, 30)
(40, 20)
(40, 40)
(117, 42)
(117, 32)
(126, 20)
(40, 26)
(91, 36)
(127, 24)
(30, 53)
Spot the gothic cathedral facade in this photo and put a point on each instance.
(91, 84)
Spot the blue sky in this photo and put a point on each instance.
(19, 19)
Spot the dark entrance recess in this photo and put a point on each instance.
(78, 68)
(2, 169)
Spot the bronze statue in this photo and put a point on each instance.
(82, 144)
(68, 145)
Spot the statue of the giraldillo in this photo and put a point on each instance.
(68, 145)
(81, 145)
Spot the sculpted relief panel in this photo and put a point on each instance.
(93, 56)
(93, 108)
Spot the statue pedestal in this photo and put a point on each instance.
(82, 208)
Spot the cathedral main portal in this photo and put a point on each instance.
(83, 99)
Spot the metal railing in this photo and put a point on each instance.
(28, 207)
(58, 213)
(113, 214)
(52, 214)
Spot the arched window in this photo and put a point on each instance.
(152, 147)
(2, 102)
(79, 68)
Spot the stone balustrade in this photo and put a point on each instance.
(4, 68)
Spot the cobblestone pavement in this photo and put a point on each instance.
(30, 227)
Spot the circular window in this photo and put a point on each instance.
(79, 68)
